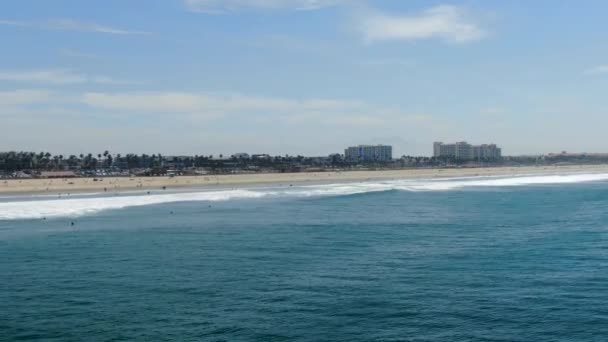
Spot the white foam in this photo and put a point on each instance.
(83, 206)
(70, 207)
(443, 184)
(510, 181)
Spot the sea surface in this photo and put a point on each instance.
(522, 258)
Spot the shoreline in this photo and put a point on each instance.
(118, 184)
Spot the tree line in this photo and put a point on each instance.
(45, 161)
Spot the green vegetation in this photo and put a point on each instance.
(25, 164)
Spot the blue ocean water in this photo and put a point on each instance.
(468, 263)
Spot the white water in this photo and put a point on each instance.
(83, 206)
(71, 207)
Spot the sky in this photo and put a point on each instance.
(306, 77)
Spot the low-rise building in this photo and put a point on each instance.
(57, 174)
(241, 156)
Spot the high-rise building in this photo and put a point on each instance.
(465, 151)
(369, 153)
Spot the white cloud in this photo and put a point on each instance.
(270, 110)
(77, 54)
(182, 102)
(216, 122)
(445, 22)
(71, 25)
(223, 6)
(354, 120)
(14, 23)
(110, 80)
(491, 111)
(194, 107)
(387, 62)
(51, 76)
(23, 97)
(56, 77)
(600, 69)
(191, 104)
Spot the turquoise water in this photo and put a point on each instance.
(489, 262)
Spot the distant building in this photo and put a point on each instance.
(369, 153)
(261, 156)
(241, 155)
(465, 151)
(57, 174)
(21, 174)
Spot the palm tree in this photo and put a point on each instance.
(88, 161)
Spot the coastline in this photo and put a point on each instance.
(117, 184)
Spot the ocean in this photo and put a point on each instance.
(521, 258)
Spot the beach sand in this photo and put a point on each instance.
(117, 184)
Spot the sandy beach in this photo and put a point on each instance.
(111, 184)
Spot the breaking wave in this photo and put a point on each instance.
(83, 206)
(71, 207)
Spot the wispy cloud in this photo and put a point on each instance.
(386, 62)
(599, 69)
(449, 23)
(324, 112)
(225, 122)
(50, 76)
(223, 6)
(23, 97)
(339, 118)
(70, 25)
(182, 102)
(57, 77)
(491, 111)
(77, 54)
(201, 107)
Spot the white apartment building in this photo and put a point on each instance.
(465, 151)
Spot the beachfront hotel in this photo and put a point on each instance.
(369, 153)
(465, 151)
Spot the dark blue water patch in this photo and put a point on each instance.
(520, 264)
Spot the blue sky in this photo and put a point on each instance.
(302, 76)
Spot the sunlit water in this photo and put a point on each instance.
(475, 259)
